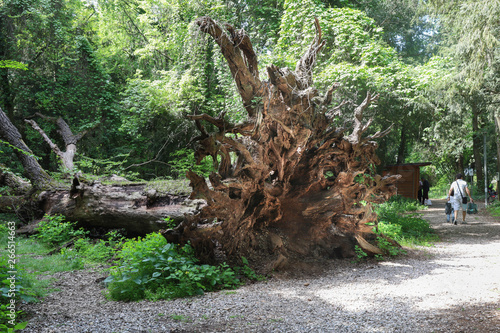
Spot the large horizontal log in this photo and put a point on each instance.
(134, 207)
(139, 208)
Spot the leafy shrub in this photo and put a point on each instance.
(98, 252)
(72, 257)
(247, 272)
(54, 230)
(388, 247)
(360, 254)
(395, 222)
(85, 250)
(14, 288)
(400, 204)
(494, 208)
(152, 268)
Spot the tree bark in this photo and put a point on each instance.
(70, 139)
(477, 143)
(137, 208)
(299, 186)
(16, 185)
(497, 141)
(33, 171)
(402, 146)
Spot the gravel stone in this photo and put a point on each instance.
(453, 286)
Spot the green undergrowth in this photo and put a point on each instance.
(494, 208)
(142, 268)
(15, 285)
(398, 220)
(150, 268)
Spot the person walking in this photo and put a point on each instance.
(456, 194)
(425, 190)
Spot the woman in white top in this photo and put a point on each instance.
(459, 189)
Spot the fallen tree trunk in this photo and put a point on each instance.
(137, 208)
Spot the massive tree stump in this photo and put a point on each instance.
(288, 184)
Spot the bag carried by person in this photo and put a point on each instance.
(447, 208)
(464, 199)
(471, 208)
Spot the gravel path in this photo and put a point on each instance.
(453, 286)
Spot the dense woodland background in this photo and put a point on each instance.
(129, 72)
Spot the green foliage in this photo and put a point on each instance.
(13, 64)
(395, 222)
(169, 223)
(88, 251)
(389, 248)
(184, 160)
(150, 267)
(494, 208)
(15, 287)
(360, 254)
(97, 252)
(247, 272)
(71, 256)
(103, 167)
(54, 230)
(351, 36)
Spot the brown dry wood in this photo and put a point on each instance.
(33, 171)
(62, 246)
(70, 139)
(276, 202)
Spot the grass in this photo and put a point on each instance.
(399, 221)
(33, 261)
(494, 208)
(181, 318)
(32, 257)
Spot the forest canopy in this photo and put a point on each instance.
(127, 73)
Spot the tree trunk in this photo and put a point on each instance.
(137, 208)
(70, 139)
(477, 144)
(16, 185)
(299, 187)
(497, 141)
(33, 171)
(402, 146)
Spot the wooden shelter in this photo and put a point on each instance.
(407, 185)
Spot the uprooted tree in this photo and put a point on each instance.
(288, 184)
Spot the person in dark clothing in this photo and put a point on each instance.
(425, 190)
(420, 192)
